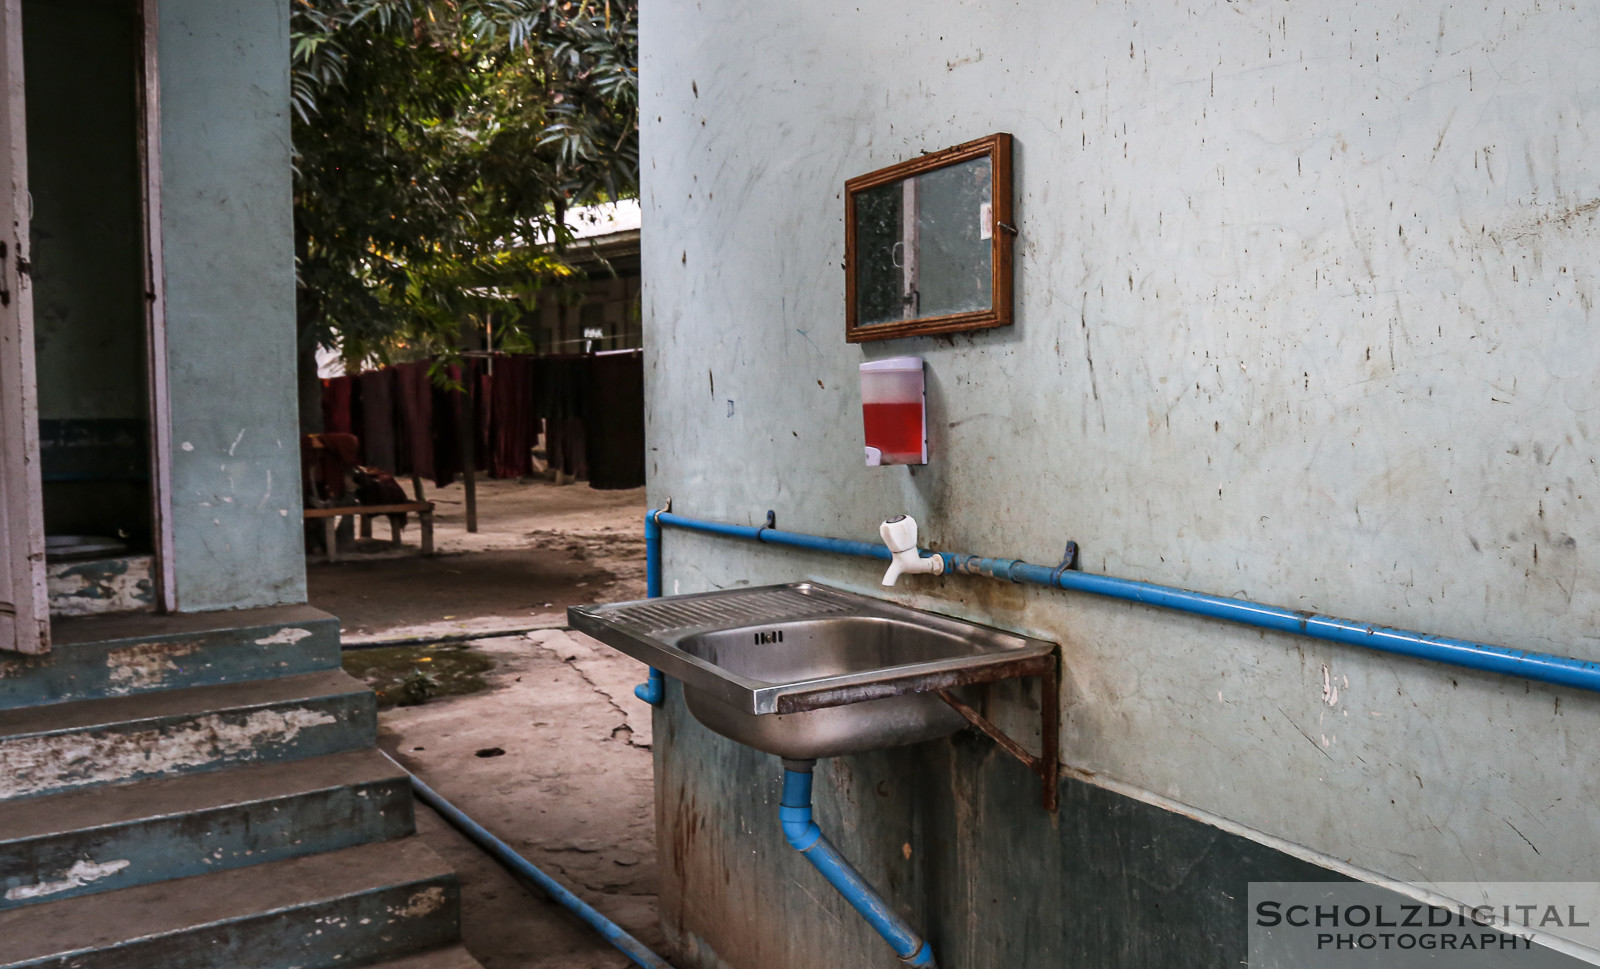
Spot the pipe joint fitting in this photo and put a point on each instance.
(652, 690)
(798, 828)
(803, 834)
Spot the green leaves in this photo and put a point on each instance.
(436, 141)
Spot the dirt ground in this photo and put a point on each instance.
(539, 548)
(553, 756)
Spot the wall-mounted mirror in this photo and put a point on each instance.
(927, 245)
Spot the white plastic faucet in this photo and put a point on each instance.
(900, 534)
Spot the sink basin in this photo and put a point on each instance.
(805, 671)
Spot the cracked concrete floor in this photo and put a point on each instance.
(572, 793)
(573, 790)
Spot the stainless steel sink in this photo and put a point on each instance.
(806, 671)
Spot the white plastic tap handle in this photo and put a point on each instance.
(899, 533)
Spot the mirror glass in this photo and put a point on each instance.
(927, 246)
(924, 245)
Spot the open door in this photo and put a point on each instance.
(24, 608)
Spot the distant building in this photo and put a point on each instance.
(599, 310)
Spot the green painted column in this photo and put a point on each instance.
(228, 237)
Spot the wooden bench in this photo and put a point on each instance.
(365, 513)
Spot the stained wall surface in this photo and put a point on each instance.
(229, 251)
(1304, 315)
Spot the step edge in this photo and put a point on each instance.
(370, 782)
(428, 867)
(355, 688)
(447, 877)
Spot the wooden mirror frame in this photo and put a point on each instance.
(997, 148)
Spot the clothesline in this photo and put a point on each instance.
(590, 408)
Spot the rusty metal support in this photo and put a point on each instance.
(914, 683)
(1048, 764)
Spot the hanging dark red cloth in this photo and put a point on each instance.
(562, 383)
(336, 397)
(414, 391)
(379, 421)
(446, 430)
(483, 414)
(514, 423)
(614, 420)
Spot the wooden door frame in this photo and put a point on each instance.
(149, 92)
(21, 491)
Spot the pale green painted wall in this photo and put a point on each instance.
(1407, 439)
(228, 236)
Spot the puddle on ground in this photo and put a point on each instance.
(411, 675)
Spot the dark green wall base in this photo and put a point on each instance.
(954, 835)
(1110, 881)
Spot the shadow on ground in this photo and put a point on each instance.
(386, 593)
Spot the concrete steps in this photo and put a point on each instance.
(204, 792)
(107, 838)
(109, 656)
(65, 746)
(339, 908)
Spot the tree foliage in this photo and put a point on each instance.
(437, 146)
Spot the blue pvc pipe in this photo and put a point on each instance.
(1540, 667)
(772, 536)
(805, 837)
(501, 852)
(795, 811)
(653, 689)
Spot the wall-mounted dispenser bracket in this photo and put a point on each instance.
(1048, 764)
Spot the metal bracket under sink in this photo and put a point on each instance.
(1047, 668)
(1048, 764)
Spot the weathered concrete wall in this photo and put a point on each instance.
(228, 236)
(1304, 314)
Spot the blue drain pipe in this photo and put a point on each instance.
(652, 690)
(1540, 667)
(805, 837)
(635, 950)
(795, 810)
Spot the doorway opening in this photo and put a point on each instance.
(83, 61)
